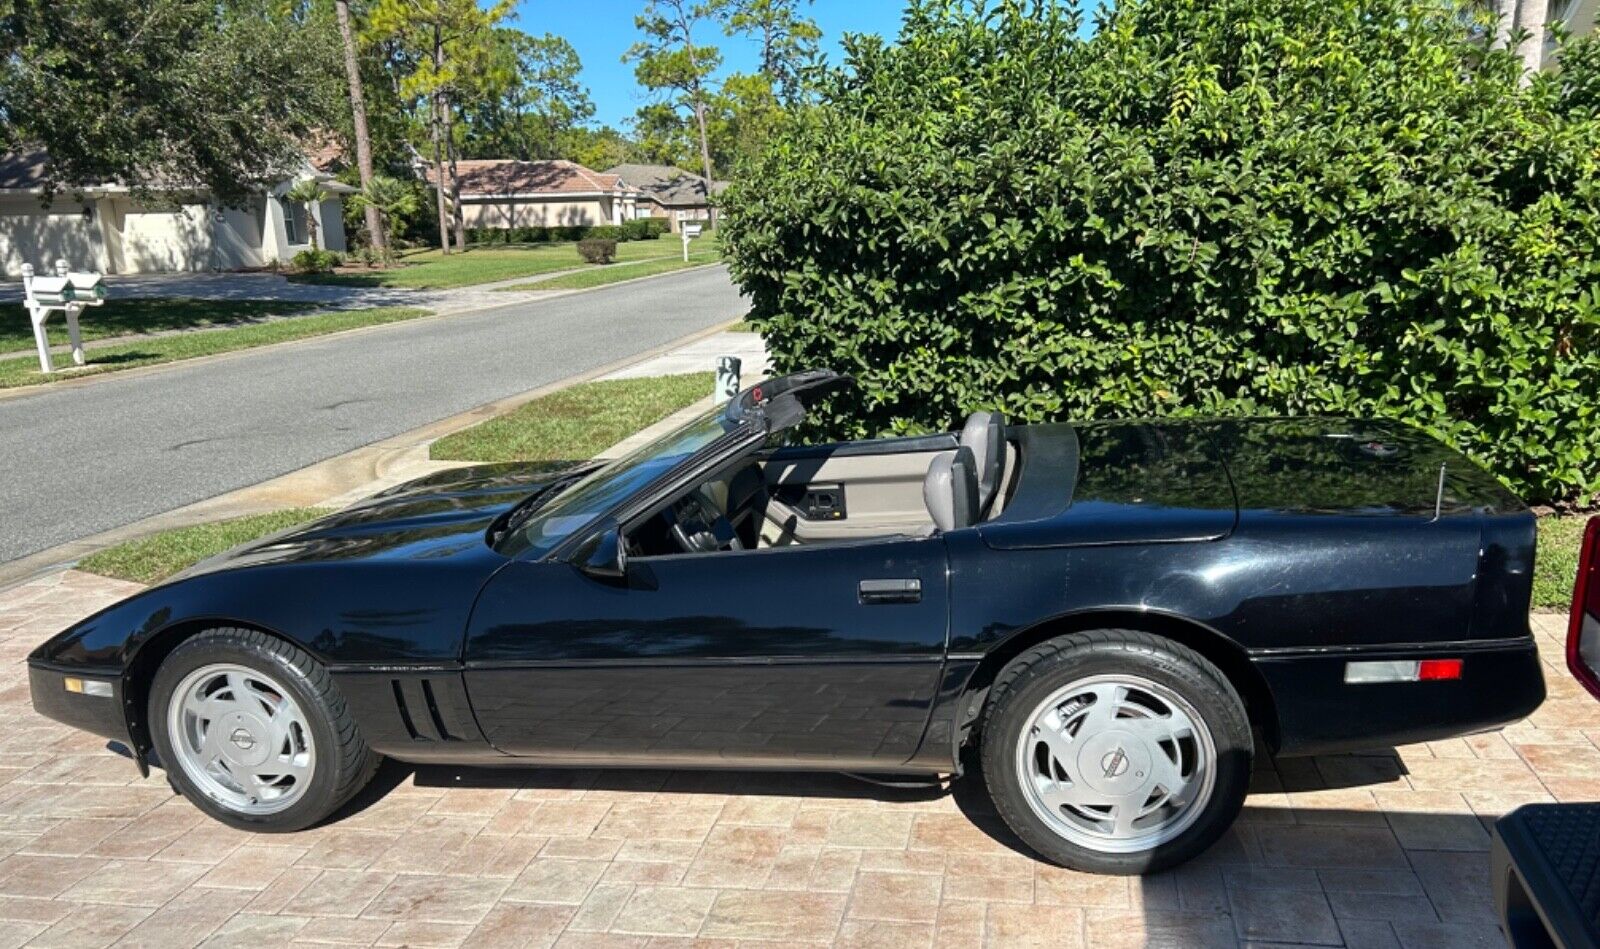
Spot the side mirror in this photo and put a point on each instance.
(604, 554)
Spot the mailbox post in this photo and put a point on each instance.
(727, 384)
(66, 291)
(689, 233)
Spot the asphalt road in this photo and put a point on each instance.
(80, 460)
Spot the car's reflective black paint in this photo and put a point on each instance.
(1279, 549)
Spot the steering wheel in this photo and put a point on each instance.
(699, 527)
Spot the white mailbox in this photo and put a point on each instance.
(689, 232)
(88, 288)
(53, 291)
(68, 292)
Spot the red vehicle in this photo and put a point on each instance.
(1583, 629)
(1545, 855)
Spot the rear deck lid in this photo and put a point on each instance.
(1115, 483)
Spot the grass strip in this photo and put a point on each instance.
(154, 558)
(577, 422)
(618, 272)
(126, 317)
(24, 370)
(1557, 564)
(432, 270)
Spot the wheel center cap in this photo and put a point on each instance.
(1114, 763)
(244, 739)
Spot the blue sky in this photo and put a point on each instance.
(601, 30)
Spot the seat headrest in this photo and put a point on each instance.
(950, 490)
(985, 434)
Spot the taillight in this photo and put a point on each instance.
(1583, 628)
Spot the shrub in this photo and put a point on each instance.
(1311, 207)
(607, 232)
(316, 261)
(597, 250)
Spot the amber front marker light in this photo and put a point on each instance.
(87, 686)
(1402, 670)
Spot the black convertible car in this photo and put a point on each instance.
(1098, 614)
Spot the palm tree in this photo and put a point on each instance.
(387, 197)
(309, 192)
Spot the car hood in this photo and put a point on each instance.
(440, 516)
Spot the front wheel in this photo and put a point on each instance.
(252, 731)
(1116, 751)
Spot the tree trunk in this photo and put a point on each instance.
(1505, 17)
(705, 157)
(438, 157)
(455, 177)
(438, 175)
(358, 117)
(1531, 18)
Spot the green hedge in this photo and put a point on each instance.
(1226, 207)
(639, 229)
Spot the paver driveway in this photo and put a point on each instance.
(1369, 850)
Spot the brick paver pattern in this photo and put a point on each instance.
(1376, 850)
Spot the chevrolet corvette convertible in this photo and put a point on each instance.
(1106, 618)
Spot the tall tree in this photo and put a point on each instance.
(668, 62)
(787, 40)
(151, 92)
(524, 99)
(358, 119)
(446, 40)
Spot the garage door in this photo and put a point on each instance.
(30, 234)
(155, 239)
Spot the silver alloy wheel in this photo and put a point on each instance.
(1116, 763)
(241, 738)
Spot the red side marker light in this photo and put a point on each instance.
(1439, 669)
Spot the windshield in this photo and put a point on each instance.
(586, 499)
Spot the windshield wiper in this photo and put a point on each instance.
(525, 508)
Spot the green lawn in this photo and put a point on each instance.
(154, 558)
(24, 370)
(154, 315)
(615, 273)
(577, 422)
(1557, 564)
(432, 270)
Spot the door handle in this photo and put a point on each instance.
(873, 592)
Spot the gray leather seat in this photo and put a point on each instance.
(985, 435)
(951, 490)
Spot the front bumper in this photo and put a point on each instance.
(97, 714)
(1319, 713)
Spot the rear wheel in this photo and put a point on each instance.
(252, 731)
(1116, 751)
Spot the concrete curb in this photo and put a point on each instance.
(337, 481)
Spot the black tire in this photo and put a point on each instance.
(1030, 678)
(343, 764)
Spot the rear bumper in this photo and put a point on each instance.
(97, 714)
(1318, 713)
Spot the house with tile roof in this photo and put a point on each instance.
(505, 193)
(669, 192)
(106, 228)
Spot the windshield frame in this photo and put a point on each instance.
(515, 544)
(748, 420)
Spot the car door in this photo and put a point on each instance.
(787, 656)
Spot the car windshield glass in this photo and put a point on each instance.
(586, 499)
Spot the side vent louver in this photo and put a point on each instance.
(421, 712)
